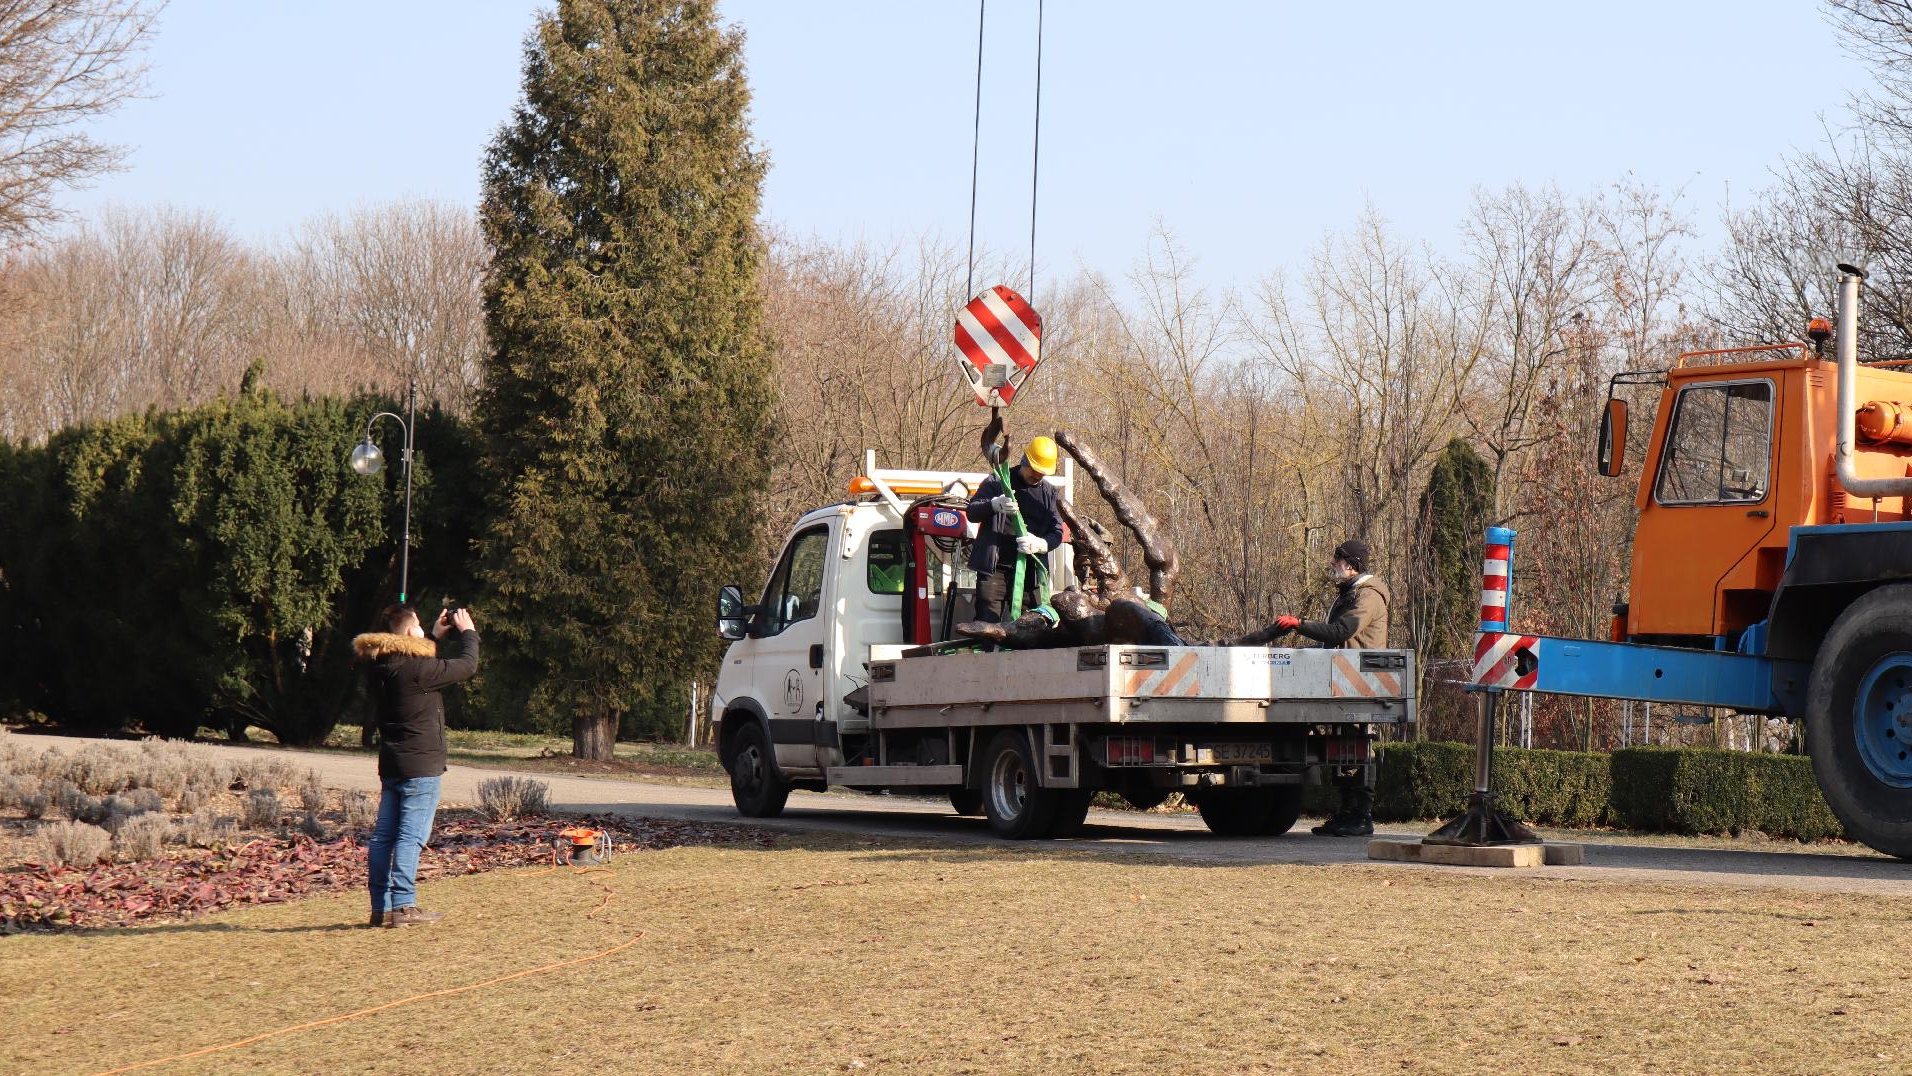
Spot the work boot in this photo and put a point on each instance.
(1343, 814)
(1359, 821)
(412, 916)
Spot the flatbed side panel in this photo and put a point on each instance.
(1267, 673)
(1005, 676)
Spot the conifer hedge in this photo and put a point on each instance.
(1678, 790)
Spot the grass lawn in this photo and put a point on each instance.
(828, 954)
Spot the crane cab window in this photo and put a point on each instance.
(886, 571)
(795, 593)
(1719, 448)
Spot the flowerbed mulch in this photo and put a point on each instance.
(269, 870)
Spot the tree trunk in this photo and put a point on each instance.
(592, 735)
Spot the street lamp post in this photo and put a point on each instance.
(367, 460)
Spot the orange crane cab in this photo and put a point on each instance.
(1742, 451)
(1772, 562)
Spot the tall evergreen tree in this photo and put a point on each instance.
(628, 394)
(1455, 508)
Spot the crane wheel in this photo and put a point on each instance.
(1859, 719)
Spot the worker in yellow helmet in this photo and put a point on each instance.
(994, 509)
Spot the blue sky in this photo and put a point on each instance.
(1250, 129)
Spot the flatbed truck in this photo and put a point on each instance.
(845, 673)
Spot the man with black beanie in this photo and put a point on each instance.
(1358, 620)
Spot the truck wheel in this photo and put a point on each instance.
(1285, 812)
(1017, 805)
(1072, 812)
(755, 785)
(966, 802)
(1859, 719)
(1250, 812)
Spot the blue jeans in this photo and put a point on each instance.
(405, 811)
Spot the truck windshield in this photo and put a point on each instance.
(1720, 446)
(796, 591)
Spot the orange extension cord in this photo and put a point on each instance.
(342, 1018)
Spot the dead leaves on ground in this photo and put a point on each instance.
(270, 870)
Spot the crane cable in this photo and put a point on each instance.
(975, 153)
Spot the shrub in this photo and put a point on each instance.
(311, 826)
(14, 787)
(75, 804)
(191, 800)
(72, 844)
(312, 793)
(144, 800)
(262, 809)
(34, 805)
(504, 798)
(361, 810)
(1703, 790)
(1434, 780)
(99, 770)
(142, 837)
(198, 830)
(206, 774)
(166, 776)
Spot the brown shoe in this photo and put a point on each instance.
(412, 916)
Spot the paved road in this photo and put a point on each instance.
(1120, 832)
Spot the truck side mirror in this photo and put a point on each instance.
(733, 616)
(1613, 437)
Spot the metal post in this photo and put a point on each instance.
(1483, 823)
(405, 549)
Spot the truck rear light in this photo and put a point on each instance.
(1348, 752)
(1130, 750)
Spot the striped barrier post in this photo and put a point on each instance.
(1496, 650)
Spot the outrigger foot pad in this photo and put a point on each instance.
(1482, 824)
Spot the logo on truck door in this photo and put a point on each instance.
(792, 690)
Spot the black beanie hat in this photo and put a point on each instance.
(1355, 552)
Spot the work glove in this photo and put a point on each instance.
(1004, 505)
(1287, 623)
(1033, 544)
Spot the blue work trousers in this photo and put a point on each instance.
(406, 807)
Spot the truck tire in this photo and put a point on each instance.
(966, 802)
(1859, 719)
(1072, 813)
(755, 785)
(1250, 812)
(1016, 804)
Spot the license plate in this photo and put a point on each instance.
(1239, 753)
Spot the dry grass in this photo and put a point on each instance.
(828, 955)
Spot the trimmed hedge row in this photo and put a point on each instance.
(1679, 790)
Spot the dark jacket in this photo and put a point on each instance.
(1358, 618)
(996, 541)
(406, 676)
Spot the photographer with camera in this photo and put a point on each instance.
(406, 675)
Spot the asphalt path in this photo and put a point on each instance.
(929, 823)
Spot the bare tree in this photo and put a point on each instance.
(62, 62)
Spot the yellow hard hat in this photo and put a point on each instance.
(1041, 455)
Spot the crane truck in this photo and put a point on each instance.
(847, 672)
(1771, 562)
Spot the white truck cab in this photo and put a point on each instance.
(835, 603)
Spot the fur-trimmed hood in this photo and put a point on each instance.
(374, 645)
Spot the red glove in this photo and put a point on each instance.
(1287, 623)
